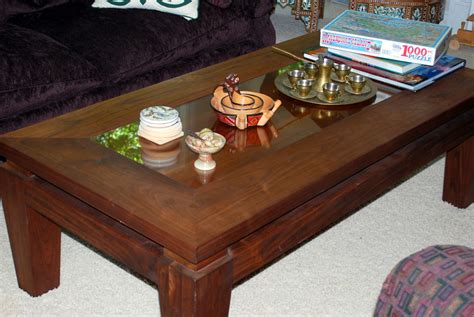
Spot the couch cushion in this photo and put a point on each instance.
(35, 68)
(254, 8)
(126, 43)
(220, 3)
(185, 8)
(12, 7)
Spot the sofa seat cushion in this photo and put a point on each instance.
(126, 43)
(220, 3)
(12, 7)
(34, 69)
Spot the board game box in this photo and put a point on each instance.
(387, 37)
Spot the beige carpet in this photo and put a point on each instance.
(338, 273)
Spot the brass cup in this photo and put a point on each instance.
(331, 91)
(342, 70)
(311, 70)
(357, 82)
(304, 86)
(294, 76)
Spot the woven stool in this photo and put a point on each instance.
(436, 281)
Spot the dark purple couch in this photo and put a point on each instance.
(61, 55)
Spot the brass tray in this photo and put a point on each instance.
(282, 84)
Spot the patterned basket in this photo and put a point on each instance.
(420, 10)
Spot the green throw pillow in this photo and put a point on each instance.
(185, 8)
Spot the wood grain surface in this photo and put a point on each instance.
(459, 175)
(35, 240)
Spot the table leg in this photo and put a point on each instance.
(459, 175)
(186, 292)
(315, 15)
(34, 239)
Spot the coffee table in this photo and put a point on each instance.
(195, 235)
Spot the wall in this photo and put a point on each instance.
(457, 11)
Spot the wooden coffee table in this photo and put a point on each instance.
(195, 235)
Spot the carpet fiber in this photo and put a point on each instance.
(339, 273)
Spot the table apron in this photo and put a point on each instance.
(102, 232)
(319, 214)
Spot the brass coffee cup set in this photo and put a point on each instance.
(317, 80)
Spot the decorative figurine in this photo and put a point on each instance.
(464, 35)
(242, 109)
(205, 143)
